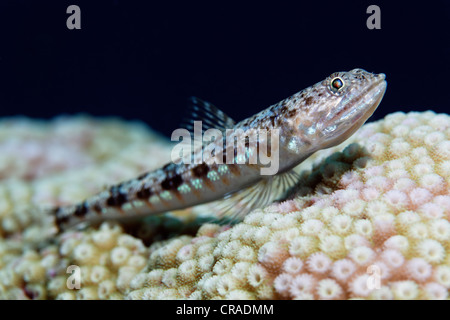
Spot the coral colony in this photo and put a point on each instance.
(369, 220)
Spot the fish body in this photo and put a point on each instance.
(318, 117)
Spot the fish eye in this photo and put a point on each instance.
(337, 84)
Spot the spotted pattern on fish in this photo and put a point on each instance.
(318, 117)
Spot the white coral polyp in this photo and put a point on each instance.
(343, 269)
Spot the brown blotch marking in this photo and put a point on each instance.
(309, 203)
(234, 168)
(291, 113)
(272, 120)
(97, 208)
(81, 210)
(282, 110)
(60, 221)
(200, 171)
(121, 198)
(172, 183)
(144, 193)
(206, 180)
(309, 100)
(225, 180)
(178, 195)
(209, 184)
(116, 199)
(111, 201)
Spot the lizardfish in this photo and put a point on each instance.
(318, 117)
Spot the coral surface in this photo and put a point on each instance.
(369, 219)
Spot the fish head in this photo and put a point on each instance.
(333, 109)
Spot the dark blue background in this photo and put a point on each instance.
(142, 60)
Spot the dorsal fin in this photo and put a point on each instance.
(211, 116)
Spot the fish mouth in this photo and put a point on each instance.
(355, 108)
(378, 89)
(371, 98)
(356, 105)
